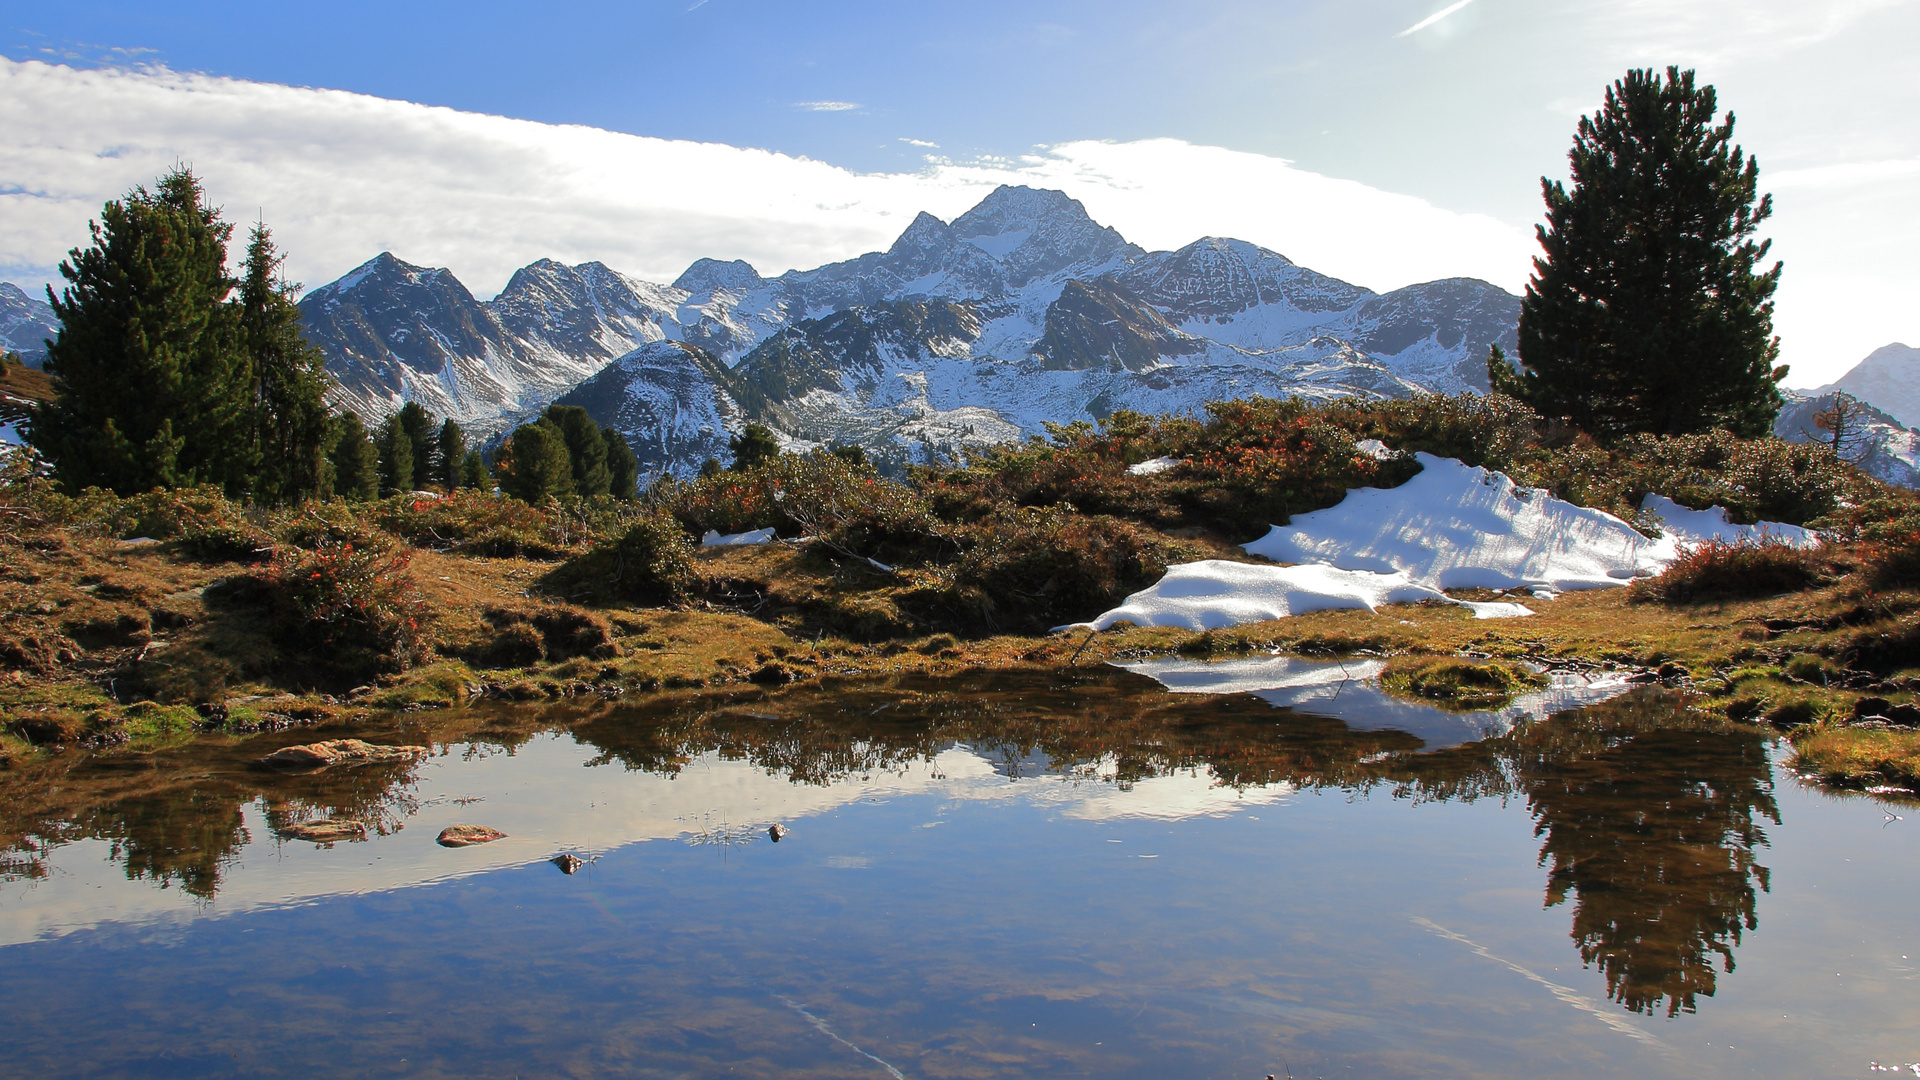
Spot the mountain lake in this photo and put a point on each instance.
(999, 874)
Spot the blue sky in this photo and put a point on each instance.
(1466, 113)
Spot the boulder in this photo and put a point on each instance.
(337, 752)
(326, 831)
(568, 863)
(468, 835)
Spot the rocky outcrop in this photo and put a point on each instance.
(321, 755)
(467, 835)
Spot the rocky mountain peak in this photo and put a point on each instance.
(707, 275)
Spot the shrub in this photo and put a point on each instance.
(1039, 567)
(653, 561)
(1717, 570)
(822, 494)
(474, 523)
(353, 605)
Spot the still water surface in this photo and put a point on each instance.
(993, 875)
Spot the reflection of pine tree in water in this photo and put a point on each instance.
(1654, 834)
(190, 838)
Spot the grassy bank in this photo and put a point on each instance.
(134, 621)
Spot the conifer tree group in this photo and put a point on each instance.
(168, 372)
(566, 453)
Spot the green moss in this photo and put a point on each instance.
(1456, 683)
(435, 686)
(150, 725)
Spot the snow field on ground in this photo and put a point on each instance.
(1452, 526)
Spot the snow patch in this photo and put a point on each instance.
(1453, 526)
(1688, 528)
(757, 536)
(1155, 466)
(1002, 245)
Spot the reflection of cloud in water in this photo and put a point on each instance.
(1345, 690)
(546, 801)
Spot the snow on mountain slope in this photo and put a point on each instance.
(1880, 446)
(393, 332)
(1888, 379)
(1029, 310)
(26, 324)
(670, 401)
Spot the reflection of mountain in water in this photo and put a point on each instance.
(1654, 835)
(1648, 812)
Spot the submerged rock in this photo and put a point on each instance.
(468, 835)
(568, 863)
(326, 831)
(776, 832)
(337, 752)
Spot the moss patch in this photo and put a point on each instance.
(1457, 683)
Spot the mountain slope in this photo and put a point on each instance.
(26, 324)
(1888, 379)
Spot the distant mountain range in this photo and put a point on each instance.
(1022, 310)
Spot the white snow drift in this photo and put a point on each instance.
(1452, 526)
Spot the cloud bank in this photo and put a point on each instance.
(341, 177)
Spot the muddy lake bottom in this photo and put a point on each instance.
(1068, 874)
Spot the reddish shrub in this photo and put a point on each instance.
(1717, 570)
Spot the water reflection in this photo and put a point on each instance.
(1651, 827)
(1650, 816)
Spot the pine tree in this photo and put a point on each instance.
(1645, 313)
(356, 464)
(752, 446)
(452, 450)
(292, 431)
(534, 463)
(424, 438)
(151, 383)
(586, 448)
(623, 469)
(396, 457)
(473, 472)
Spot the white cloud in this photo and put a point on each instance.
(827, 106)
(921, 142)
(341, 177)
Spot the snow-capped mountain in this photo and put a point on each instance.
(393, 332)
(1888, 379)
(1021, 310)
(26, 324)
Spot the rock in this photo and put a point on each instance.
(776, 831)
(568, 863)
(468, 835)
(326, 831)
(1872, 706)
(337, 752)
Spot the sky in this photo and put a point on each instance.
(1383, 141)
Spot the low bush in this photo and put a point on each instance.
(1033, 568)
(351, 606)
(652, 562)
(474, 523)
(1717, 570)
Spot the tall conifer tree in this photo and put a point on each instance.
(623, 469)
(292, 432)
(452, 450)
(356, 463)
(586, 448)
(1645, 313)
(396, 457)
(151, 384)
